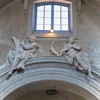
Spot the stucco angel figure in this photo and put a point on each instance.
(21, 54)
(74, 55)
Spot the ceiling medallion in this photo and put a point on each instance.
(51, 92)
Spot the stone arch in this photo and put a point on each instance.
(46, 68)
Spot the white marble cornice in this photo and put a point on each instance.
(47, 68)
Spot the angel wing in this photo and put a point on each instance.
(52, 50)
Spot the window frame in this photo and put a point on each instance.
(42, 34)
(52, 15)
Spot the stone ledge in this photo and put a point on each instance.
(48, 60)
(47, 68)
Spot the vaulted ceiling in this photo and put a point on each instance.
(94, 2)
(4, 2)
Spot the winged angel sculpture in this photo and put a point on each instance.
(74, 56)
(16, 58)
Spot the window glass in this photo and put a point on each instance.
(57, 27)
(52, 16)
(56, 8)
(56, 14)
(40, 21)
(64, 21)
(48, 14)
(47, 27)
(40, 14)
(40, 8)
(47, 21)
(39, 27)
(47, 7)
(57, 21)
(64, 15)
(64, 9)
(64, 27)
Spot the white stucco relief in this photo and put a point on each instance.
(23, 51)
(75, 56)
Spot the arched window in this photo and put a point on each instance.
(52, 16)
(56, 16)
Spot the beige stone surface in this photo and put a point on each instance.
(14, 21)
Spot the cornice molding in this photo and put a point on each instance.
(50, 71)
(45, 61)
(47, 68)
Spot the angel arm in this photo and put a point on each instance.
(76, 47)
(65, 49)
(52, 50)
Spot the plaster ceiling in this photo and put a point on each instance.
(37, 91)
(40, 95)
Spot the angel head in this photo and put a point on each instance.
(32, 38)
(71, 40)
